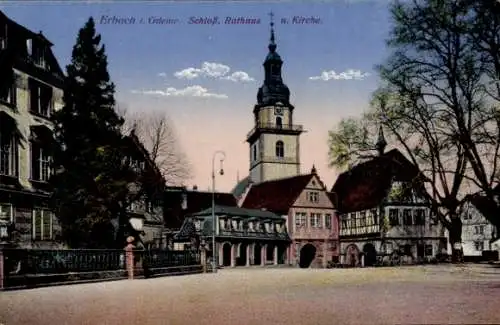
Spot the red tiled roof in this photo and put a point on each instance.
(277, 195)
(196, 201)
(367, 184)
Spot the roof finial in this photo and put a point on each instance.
(272, 44)
(313, 170)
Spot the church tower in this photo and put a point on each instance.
(274, 140)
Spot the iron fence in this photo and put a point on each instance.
(158, 258)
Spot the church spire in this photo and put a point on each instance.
(381, 143)
(272, 43)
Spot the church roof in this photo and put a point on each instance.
(367, 184)
(276, 195)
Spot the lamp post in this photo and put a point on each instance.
(214, 228)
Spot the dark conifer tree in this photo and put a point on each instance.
(90, 179)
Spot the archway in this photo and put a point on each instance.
(352, 255)
(281, 254)
(257, 254)
(226, 254)
(269, 252)
(370, 254)
(242, 255)
(307, 255)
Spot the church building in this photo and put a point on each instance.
(275, 182)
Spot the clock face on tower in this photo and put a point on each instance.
(278, 111)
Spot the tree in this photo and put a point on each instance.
(91, 182)
(349, 143)
(438, 99)
(157, 134)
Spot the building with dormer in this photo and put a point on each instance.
(383, 213)
(30, 90)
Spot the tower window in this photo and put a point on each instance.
(254, 152)
(280, 150)
(279, 123)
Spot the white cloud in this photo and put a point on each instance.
(213, 70)
(238, 76)
(349, 74)
(191, 91)
(162, 74)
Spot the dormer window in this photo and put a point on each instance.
(29, 47)
(3, 37)
(39, 56)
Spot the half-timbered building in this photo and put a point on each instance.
(382, 212)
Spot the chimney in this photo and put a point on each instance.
(195, 187)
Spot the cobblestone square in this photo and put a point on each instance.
(440, 294)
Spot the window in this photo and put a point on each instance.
(8, 94)
(8, 154)
(3, 36)
(6, 212)
(467, 215)
(328, 221)
(42, 224)
(39, 55)
(479, 230)
(279, 123)
(40, 98)
(344, 221)
(428, 250)
(362, 219)
(313, 197)
(254, 152)
(479, 245)
(40, 163)
(407, 217)
(300, 220)
(222, 224)
(419, 217)
(394, 217)
(375, 216)
(315, 220)
(29, 47)
(280, 149)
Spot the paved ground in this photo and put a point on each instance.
(408, 295)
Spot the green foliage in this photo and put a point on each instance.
(91, 180)
(349, 143)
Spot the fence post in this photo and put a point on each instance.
(129, 258)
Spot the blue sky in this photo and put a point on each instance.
(145, 57)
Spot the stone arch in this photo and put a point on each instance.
(225, 254)
(352, 255)
(257, 254)
(241, 253)
(307, 255)
(370, 254)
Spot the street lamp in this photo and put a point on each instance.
(221, 172)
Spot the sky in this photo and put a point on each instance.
(205, 76)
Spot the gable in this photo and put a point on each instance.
(315, 184)
(303, 199)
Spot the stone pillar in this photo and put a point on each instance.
(263, 255)
(2, 260)
(203, 259)
(275, 255)
(129, 258)
(247, 262)
(362, 260)
(234, 247)
(220, 249)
